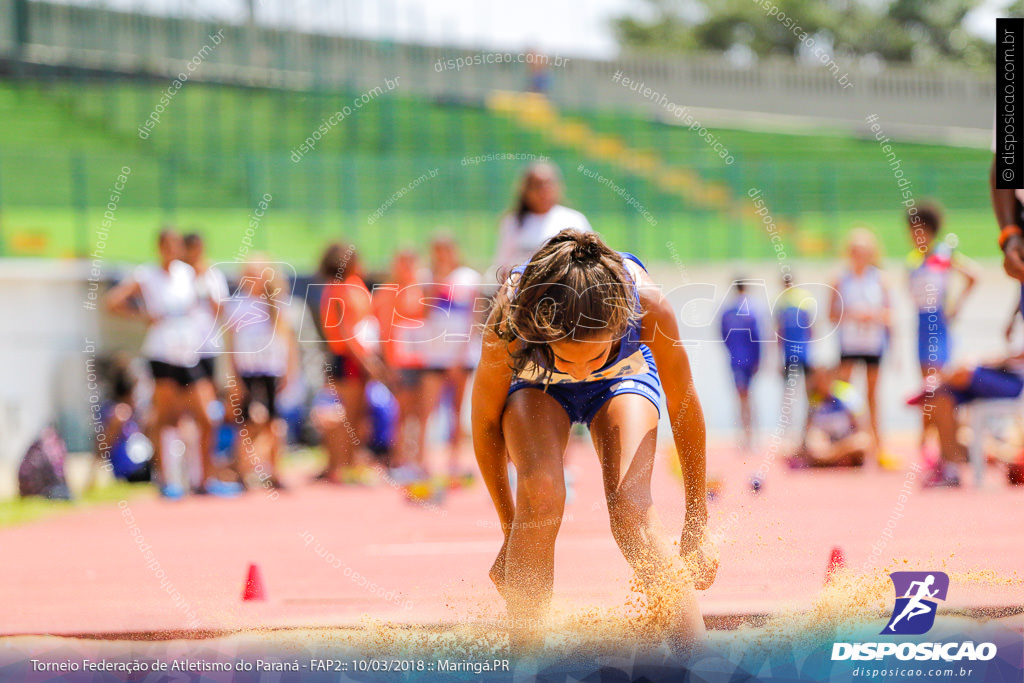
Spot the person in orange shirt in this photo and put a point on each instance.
(401, 312)
(352, 335)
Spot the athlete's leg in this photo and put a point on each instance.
(427, 399)
(849, 451)
(409, 443)
(745, 417)
(927, 372)
(536, 430)
(458, 377)
(352, 393)
(166, 405)
(871, 370)
(845, 371)
(199, 395)
(625, 432)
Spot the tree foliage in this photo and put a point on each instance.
(921, 32)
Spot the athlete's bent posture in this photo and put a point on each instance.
(581, 334)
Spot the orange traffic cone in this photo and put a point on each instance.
(836, 561)
(254, 585)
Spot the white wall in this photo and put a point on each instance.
(43, 336)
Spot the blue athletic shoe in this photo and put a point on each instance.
(221, 489)
(172, 492)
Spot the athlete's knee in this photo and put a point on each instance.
(541, 496)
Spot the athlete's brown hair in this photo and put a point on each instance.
(574, 288)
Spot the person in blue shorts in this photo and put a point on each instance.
(793, 321)
(931, 265)
(580, 334)
(741, 334)
(1000, 378)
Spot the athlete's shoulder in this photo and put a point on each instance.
(355, 281)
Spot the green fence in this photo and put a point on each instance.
(217, 150)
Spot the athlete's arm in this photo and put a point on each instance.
(1004, 204)
(292, 364)
(490, 391)
(884, 314)
(1012, 320)
(660, 330)
(835, 306)
(119, 297)
(969, 271)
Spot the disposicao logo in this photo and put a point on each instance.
(913, 614)
(916, 595)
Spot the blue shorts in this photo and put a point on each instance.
(582, 400)
(990, 383)
(743, 375)
(932, 338)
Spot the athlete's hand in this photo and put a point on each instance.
(1013, 257)
(699, 554)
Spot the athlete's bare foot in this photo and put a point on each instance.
(497, 572)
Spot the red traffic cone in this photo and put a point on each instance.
(254, 585)
(836, 561)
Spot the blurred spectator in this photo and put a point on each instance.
(211, 290)
(537, 216)
(401, 309)
(263, 353)
(740, 331)
(453, 351)
(540, 74)
(168, 296)
(861, 309)
(352, 334)
(793, 320)
(1001, 378)
(834, 435)
(931, 264)
(121, 442)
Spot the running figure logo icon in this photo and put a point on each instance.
(916, 595)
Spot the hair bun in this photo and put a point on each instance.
(586, 249)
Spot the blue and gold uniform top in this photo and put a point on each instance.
(929, 276)
(794, 319)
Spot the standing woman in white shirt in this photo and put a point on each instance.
(455, 336)
(212, 288)
(861, 310)
(537, 217)
(168, 296)
(263, 354)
